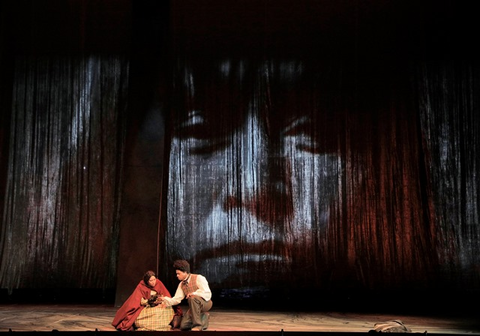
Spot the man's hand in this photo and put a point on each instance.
(159, 299)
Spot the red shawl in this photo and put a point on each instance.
(131, 308)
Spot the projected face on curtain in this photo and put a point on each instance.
(255, 171)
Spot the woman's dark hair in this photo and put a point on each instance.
(182, 265)
(147, 277)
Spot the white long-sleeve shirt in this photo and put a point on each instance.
(202, 291)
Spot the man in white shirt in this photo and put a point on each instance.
(195, 288)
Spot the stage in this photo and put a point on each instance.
(96, 319)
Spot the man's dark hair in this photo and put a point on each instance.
(182, 265)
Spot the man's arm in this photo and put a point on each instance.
(176, 299)
(203, 288)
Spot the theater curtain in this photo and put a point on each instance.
(64, 171)
(307, 160)
(382, 196)
(379, 137)
(448, 102)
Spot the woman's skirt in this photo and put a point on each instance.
(154, 319)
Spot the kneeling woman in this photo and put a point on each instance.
(141, 311)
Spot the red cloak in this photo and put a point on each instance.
(131, 308)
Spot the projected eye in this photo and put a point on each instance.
(311, 137)
(201, 135)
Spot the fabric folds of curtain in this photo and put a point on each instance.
(61, 211)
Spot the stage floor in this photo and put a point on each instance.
(69, 317)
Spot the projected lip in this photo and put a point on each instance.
(267, 249)
(240, 258)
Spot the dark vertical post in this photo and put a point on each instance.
(140, 213)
